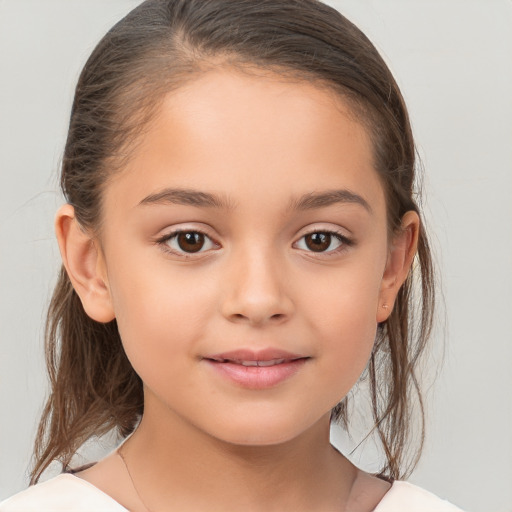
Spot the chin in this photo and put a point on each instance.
(261, 439)
(256, 432)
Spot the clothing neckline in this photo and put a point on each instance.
(91, 486)
(124, 509)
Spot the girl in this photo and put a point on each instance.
(240, 243)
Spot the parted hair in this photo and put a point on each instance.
(155, 49)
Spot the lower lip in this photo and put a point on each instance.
(257, 377)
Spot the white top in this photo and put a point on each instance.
(69, 493)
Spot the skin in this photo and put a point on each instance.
(258, 143)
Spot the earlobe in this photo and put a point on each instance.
(84, 264)
(400, 258)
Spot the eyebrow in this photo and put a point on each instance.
(314, 200)
(309, 201)
(187, 197)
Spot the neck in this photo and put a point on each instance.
(171, 461)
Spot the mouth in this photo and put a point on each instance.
(256, 362)
(257, 369)
(264, 357)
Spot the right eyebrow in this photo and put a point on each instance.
(187, 197)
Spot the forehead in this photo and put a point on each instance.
(229, 131)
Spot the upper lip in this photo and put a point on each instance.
(268, 354)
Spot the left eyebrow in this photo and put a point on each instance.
(314, 200)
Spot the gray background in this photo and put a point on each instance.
(453, 60)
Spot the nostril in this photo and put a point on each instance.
(257, 319)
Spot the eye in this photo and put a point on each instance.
(188, 242)
(322, 241)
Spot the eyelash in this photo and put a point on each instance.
(163, 242)
(345, 242)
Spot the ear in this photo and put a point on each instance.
(400, 258)
(84, 264)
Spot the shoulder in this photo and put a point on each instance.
(63, 493)
(406, 497)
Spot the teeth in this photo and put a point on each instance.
(271, 362)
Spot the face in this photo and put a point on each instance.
(244, 252)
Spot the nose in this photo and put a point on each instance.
(257, 290)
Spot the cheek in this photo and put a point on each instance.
(344, 317)
(159, 315)
(350, 343)
(349, 350)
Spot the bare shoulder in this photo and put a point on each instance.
(106, 469)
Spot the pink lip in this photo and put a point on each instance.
(267, 354)
(229, 365)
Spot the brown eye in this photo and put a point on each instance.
(318, 242)
(322, 242)
(190, 241)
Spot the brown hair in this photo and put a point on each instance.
(156, 48)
